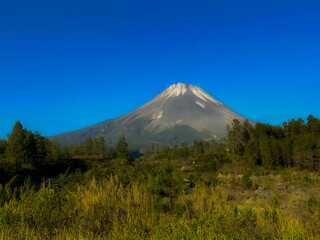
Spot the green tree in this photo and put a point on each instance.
(276, 154)
(3, 146)
(88, 147)
(305, 152)
(77, 150)
(295, 127)
(252, 153)
(101, 148)
(95, 147)
(313, 125)
(41, 146)
(122, 148)
(287, 152)
(247, 130)
(31, 148)
(265, 151)
(238, 135)
(55, 149)
(234, 136)
(64, 152)
(16, 150)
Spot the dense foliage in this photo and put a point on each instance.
(294, 144)
(29, 154)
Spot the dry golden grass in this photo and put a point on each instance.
(105, 209)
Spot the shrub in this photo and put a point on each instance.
(246, 181)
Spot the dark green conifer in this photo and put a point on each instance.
(16, 151)
(3, 145)
(31, 148)
(41, 145)
(55, 149)
(122, 148)
(88, 147)
(101, 147)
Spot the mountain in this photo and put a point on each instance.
(181, 113)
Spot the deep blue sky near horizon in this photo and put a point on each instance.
(65, 65)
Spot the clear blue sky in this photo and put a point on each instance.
(65, 65)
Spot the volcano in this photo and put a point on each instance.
(181, 113)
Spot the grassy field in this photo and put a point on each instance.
(150, 200)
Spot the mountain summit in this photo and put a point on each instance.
(181, 113)
(183, 104)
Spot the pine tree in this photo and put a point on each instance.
(77, 150)
(295, 127)
(265, 151)
(31, 148)
(3, 145)
(55, 149)
(238, 135)
(276, 154)
(252, 153)
(313, 125)
(305, 152)
(247, 130)
(88, 147)
(101, 147)
(95, 147)
(287, 152)
(41, 145)
(64, 152)
(16, 150)
(122, 148)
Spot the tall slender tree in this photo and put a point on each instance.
(31, 147)
(122, 148)
(101, 147)
(55, 149)
(88, 147)
(41, 145)
(3, 146)
(16, 150)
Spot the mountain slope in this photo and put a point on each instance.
(181, 113)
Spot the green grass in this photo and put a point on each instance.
(140, 203)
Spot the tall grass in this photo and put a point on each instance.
(105, 209)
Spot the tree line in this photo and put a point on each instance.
(294, 144)
(26, 147)
(26, 152)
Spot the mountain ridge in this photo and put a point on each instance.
(161, 120)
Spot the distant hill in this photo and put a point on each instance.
(181, 113)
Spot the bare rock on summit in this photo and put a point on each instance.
(183, 104)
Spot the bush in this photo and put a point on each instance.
(246, 181)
